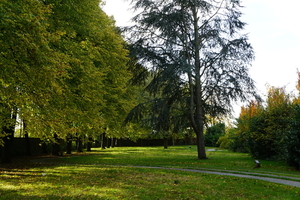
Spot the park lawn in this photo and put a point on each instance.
(94, 177)
(180, 157)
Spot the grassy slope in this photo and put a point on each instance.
(91, 178)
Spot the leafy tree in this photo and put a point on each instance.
(213, 134)
(198, 58)
(242, 132)
(268, 130)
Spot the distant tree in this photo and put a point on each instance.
(241, 133)
(213, 134)
(226, 141)
(196, 54)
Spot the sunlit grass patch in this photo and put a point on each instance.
(178, 157)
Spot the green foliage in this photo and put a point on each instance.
(213, 134)
(32, 72)
(226, 141)
(64, 67)
(98, 75)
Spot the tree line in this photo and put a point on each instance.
(269, 129)
(64, 71)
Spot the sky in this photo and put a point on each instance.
(273, 30)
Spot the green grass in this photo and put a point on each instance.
(97, 176)
(180, 157)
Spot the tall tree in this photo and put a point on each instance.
(194, 43)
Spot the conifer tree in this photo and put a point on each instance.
(194, 46)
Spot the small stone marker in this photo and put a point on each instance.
(256, 164)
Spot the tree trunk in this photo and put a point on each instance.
(27, 140)
(186, 139)
(69, 144)
(89, 144)
(107, 142)
(199, 120)
(112, 143)
(103, 140)
(196, 119)
(9, 131)
(173, 141)
(56, 146)
(166, 143)
(79, 145)
(28, 145)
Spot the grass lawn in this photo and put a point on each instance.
(102, 175)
